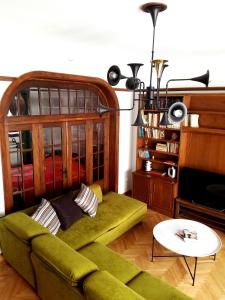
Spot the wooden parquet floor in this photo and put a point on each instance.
(135, 245)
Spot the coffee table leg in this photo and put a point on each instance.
(196, 261)
(153, 240)
(195, 268)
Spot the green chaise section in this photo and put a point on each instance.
(103, 286)
(108, 260)
(153, 288)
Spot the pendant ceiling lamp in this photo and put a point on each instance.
(151, 96)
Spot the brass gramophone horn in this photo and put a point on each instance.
(159, 65)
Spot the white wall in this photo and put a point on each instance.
(127, 145)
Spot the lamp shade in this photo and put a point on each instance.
(165, 119)
(139, 120)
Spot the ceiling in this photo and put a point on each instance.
(87, 37)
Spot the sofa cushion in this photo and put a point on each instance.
(46, 216)
(96, 188)
(63, 260)
(67, 210)
(151, 287)
(101, 285)
(108, 260)
(87, 200)
(114, 210)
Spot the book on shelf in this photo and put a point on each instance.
(153, 119)
(161, 147)
(141, 132)
(172, 147)
(169, 162)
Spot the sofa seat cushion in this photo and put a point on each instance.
(151, 287)
(114, 210)
(108, 260)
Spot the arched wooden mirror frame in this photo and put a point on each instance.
(106, 96)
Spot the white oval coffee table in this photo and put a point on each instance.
(208, 243)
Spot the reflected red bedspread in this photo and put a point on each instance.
(53, 173)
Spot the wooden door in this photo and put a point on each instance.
(141, 187)
(52, 159)
(21, 164)
(77, 158)
(162, 196)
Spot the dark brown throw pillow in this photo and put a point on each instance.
(67, 210)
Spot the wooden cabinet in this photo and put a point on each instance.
(141, 186)
(157, 192)
(162, 196)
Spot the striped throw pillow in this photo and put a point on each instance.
(46, 216)
(87, 200)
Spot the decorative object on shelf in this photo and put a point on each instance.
(148, 166)
(171, 172)
(152, 99)
(192, 120)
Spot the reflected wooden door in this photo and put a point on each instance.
(52, 148)
(20, 143)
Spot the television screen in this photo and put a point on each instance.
(202, 187)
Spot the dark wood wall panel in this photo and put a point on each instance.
(205, 151)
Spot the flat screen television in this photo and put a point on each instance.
(202, 187)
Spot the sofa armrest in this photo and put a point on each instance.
(23, 226)
(62, 259)
(101, 285)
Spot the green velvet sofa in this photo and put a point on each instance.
(76, 263)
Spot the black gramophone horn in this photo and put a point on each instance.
(135, 68)
(153, 8)
(203, 78)
(132, 83)
(114, 75)
(177, 112)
